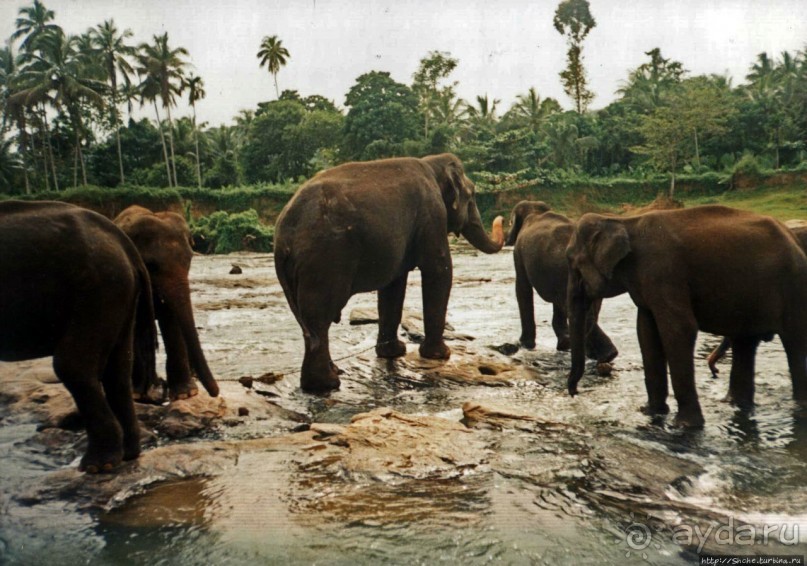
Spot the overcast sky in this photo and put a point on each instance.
(503, 46)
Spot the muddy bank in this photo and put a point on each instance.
(483, 457)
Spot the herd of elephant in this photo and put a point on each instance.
(87, 291)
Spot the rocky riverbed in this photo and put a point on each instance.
(482, 458)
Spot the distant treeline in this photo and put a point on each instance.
(66, 106)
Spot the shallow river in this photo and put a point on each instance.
(598, 482)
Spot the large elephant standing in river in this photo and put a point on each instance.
(163, 240)
(711, 268)
(540, 238)
(363, 227)
(75, 288)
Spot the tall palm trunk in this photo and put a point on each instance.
(162, 139)
(196, 142)
(50, 151)
(44, 160)
(171, 143)
(24, 150)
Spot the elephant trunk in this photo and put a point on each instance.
(579, 306)
(475, 233)
(176, 300)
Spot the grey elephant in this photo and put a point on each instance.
(163, 240)
(711, 268)
(363, 227)
(540, 238)
(75, 288)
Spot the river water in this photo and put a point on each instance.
(597, 482)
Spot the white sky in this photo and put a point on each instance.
(503, 46)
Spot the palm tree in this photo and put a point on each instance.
(56, 73)
(110, 44)
(196, 92)
(9, 71)
(32, 23)
(162, 69)
(274, 56)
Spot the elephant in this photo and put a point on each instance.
(362, 227)
(540, 237)
(712, 268)
(75, 288)
(799, 228)
(163, 240)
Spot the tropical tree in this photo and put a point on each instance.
(162, 71)
(57, 73)
(649, 84)
(273, 56)
(574, 20)
(432, 69)
(110, 44)
(196, 92)
(13, 112)
(32, 22)
(383, 114)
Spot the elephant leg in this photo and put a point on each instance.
(390, 308)
(560, 324)
(436, 290)
(525, 297)
(317, 310)
(117, 385)
(655, 363)
(79, 370)
(177, 367)
(598, 345)
(679, 330)
(741, 379)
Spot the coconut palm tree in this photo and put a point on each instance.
(33, 22)
(111, 45)
(196, 92)
(274, 56)
(162, 69)
(9, 70)
(57, 74)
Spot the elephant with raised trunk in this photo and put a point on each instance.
(711, 268)
(363, 227)
(74, 287)
(540, 238)
(163, 240)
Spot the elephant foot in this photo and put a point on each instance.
(154, 395)
(739, 401)
(336, 369)
(390, 349)
(131, 451)
(603, 354)
(182, 391)
(689, 419)
(564, 344)
(100, 462)
(320, 385)
(659, 409)
(527, 342)
(435, 351)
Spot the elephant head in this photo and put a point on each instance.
(462, 213)
(597, 246)
(164, 242)
(520, 212)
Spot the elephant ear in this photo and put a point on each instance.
(608, 245)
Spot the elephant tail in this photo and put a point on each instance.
(144, 371)
(284, 267)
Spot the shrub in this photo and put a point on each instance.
(222, 233)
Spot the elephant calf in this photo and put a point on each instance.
(363, 227)
(74, 287)
(163, 240)
(540, 238)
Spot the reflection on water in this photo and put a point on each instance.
(571, 494)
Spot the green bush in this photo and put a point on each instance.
(222, 233)
(747, 166)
